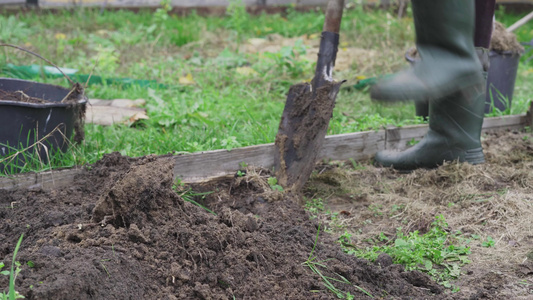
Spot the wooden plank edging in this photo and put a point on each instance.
(207, 165)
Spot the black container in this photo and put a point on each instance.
(23, 124)
(501, 80)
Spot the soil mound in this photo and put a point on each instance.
(123, 232)
(503, 41)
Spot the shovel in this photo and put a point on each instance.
(308, 109)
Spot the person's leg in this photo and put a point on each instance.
(484, 22)
(448, 63)
(455, 120)
(484, 25)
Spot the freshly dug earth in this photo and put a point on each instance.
(123, 232)
(503, 41)
(20, 96)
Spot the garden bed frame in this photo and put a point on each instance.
(209, 165)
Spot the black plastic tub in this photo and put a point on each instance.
(44, 127)
(501, 80)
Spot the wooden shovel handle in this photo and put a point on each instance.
(333, 19)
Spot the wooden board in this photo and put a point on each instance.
(11, 2)
(44, 180)
(109, 115)
(207, 165)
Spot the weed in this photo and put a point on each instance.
(396, 208)
(376, 209)
(13, 30)
(188, 195)
(489, 242)
(104, 266)
(433, 253)
(495, 111)
(314, 206)
(356, 165)
(412, 142)
(273, 182)
(13, 273)
(288, 59)
(238, 17)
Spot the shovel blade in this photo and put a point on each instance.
(302, 131)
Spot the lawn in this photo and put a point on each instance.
(217, 89)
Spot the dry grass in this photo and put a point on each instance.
(491, 200)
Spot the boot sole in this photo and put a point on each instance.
(475, 156)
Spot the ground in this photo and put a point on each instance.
(125, 231)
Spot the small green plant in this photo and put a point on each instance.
(495, 111)
(488, 243)
(238, 17)
(433, 253)
(356, 165)
(412, 142)
(13, 30)
(288, 59)
(273, 182)
(13, 273)
(376, 209)
(396, 208)
(314, 206)
(161, 14)
(188, 195)
(240, 173)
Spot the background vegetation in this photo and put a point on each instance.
(216, 95)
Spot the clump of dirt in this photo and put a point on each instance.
(122, 231)
(503, 41)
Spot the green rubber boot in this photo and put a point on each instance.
(454, 132)
(445, 42)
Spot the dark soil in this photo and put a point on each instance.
(123, 232)
(19, 96)
(503, 41)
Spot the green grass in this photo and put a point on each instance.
(437, 252)
(223, 109)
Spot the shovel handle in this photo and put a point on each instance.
(329, 41)
(332, 22)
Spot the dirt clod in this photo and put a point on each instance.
(503, 41)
